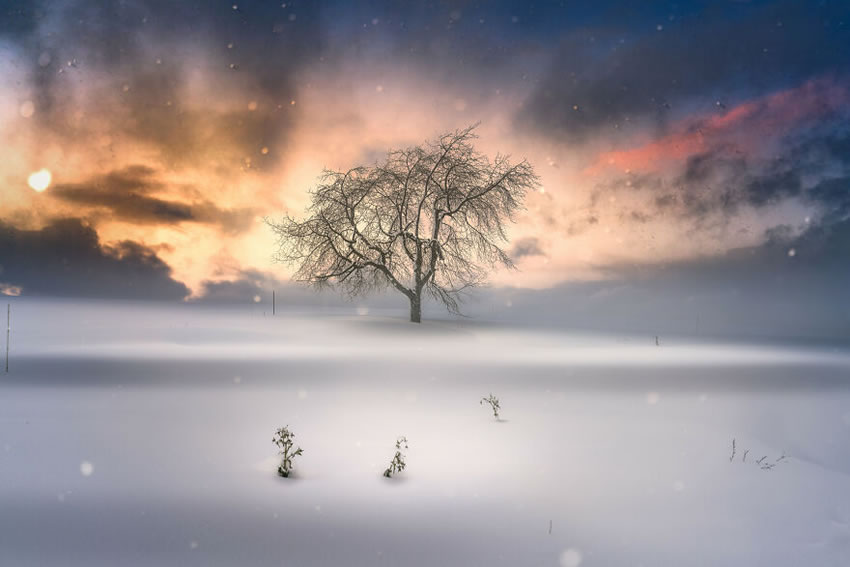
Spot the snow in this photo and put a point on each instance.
(140, 434)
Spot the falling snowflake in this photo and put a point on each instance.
(86, 468)
(26, 109)
(570, 558)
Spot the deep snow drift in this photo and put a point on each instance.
(141, 435)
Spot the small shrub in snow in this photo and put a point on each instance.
(763, 463)
(397, 464)
(283, 439)
(766, 465)
(494, 404)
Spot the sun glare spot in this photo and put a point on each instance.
(40, 180)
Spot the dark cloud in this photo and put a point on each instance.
(242, 288)
(702, 168)
(18, 18)
(808, 168)
(523, 247)
(612, 77)
(127, 194)
(66, 259)
(813, 168)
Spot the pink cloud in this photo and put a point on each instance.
(749, 127)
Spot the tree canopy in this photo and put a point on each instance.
(428, 219)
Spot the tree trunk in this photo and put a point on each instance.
(416, 309)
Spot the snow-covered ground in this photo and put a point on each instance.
(141, 435)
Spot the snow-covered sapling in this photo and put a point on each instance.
(283, 439)
(494, 404)
(397, 464)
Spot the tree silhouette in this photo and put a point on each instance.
(430, 218)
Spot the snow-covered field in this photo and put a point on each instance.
(141, 435)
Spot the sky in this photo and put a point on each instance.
(686, 149)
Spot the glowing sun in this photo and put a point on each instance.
(39, 180)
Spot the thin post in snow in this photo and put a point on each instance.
(8, 329)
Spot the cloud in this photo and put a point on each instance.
(128, 194)
(616, 79)
(191, 81)
(523, 247)
(242, 287)
(174, 123)
(66, 259)
(783, 154)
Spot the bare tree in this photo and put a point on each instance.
(430, 218)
